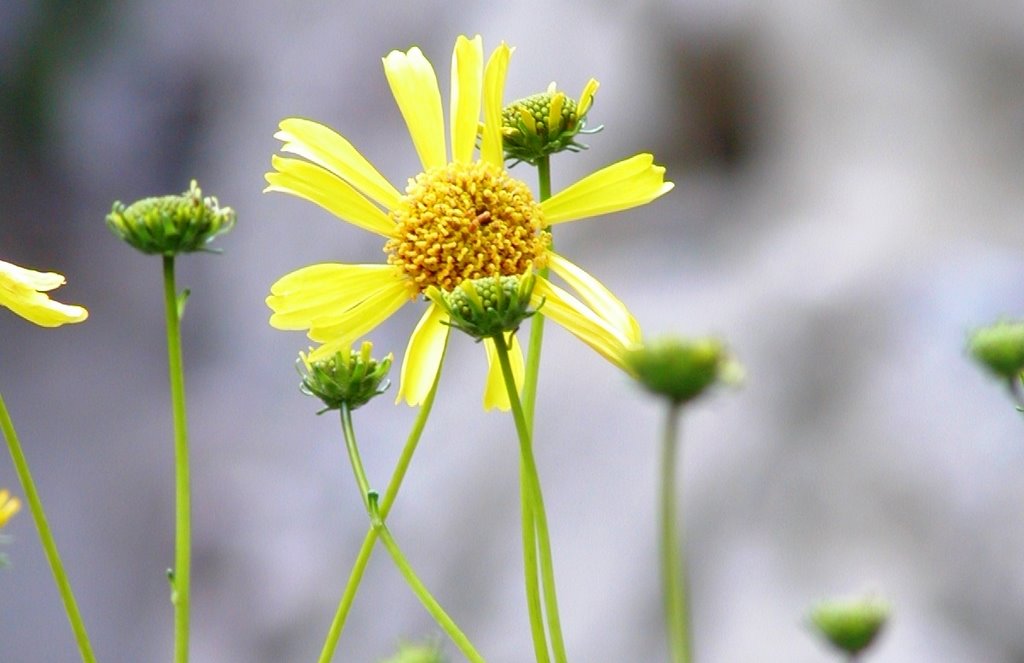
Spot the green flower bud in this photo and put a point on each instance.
(488, 306)
(169, 225)
(851, 625)
(546, 123)
(430, 653)
(999, 348)
(348, 378)
(682, 370)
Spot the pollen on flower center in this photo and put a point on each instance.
(466, 221)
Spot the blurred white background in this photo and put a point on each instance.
(847, 205)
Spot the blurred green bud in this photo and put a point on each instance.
(488, 306)
(348, 377)
(169, 225)
(418, 654)
(681, 370)
(850, 625)
(999, 348)
(546, 123)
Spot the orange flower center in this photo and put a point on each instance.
(466, 221)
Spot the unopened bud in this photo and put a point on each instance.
(169, 225)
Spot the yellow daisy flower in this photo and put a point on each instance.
(463, 217)
(8, 507)
(24, 292)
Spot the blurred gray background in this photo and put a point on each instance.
(848, 203)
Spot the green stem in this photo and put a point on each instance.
(536, 504)
(370, 540)
(673, 563)
(532, 371)
(181, 578)
(530, 572)
(418, 588)
(421, 591)
(353, 455)
(45, 535)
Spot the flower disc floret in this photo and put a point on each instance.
(465, 221)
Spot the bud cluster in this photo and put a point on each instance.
(682, 370)
(999, 348)
(169, 225)
(348, 378)
(545, 123)
(488, 306)
(850, 625)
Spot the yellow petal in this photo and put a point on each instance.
(324, 146)
(414, 86)
(20, 292)
(555, 112)
(30, 278)
(629, 183)
(423, 356)
(586, 98)
(361, 318)
(309, 181)
(467, 79)
(491, 149)
(599, 298)
(318, 294)
(495, 393)
(564, 309)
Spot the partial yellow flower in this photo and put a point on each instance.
(8, 507)
(24, 292)
(463, 217)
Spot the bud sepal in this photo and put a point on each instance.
(680, 369)
(348, 378)
(169, 225)
(488, 306)
(542, 124)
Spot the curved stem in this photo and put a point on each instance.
(181, 579)
(673, 563)
(45, 535)
(418, 588)
(536, 499)
(353, 455)
(370, 540)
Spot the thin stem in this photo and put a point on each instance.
(425, 597)
(370, 500)
(353, 455)
(532, 371)
(181, 579)
(45, 535)
(370, 540)
(536, 497)
(530, 571)
(673, 564)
